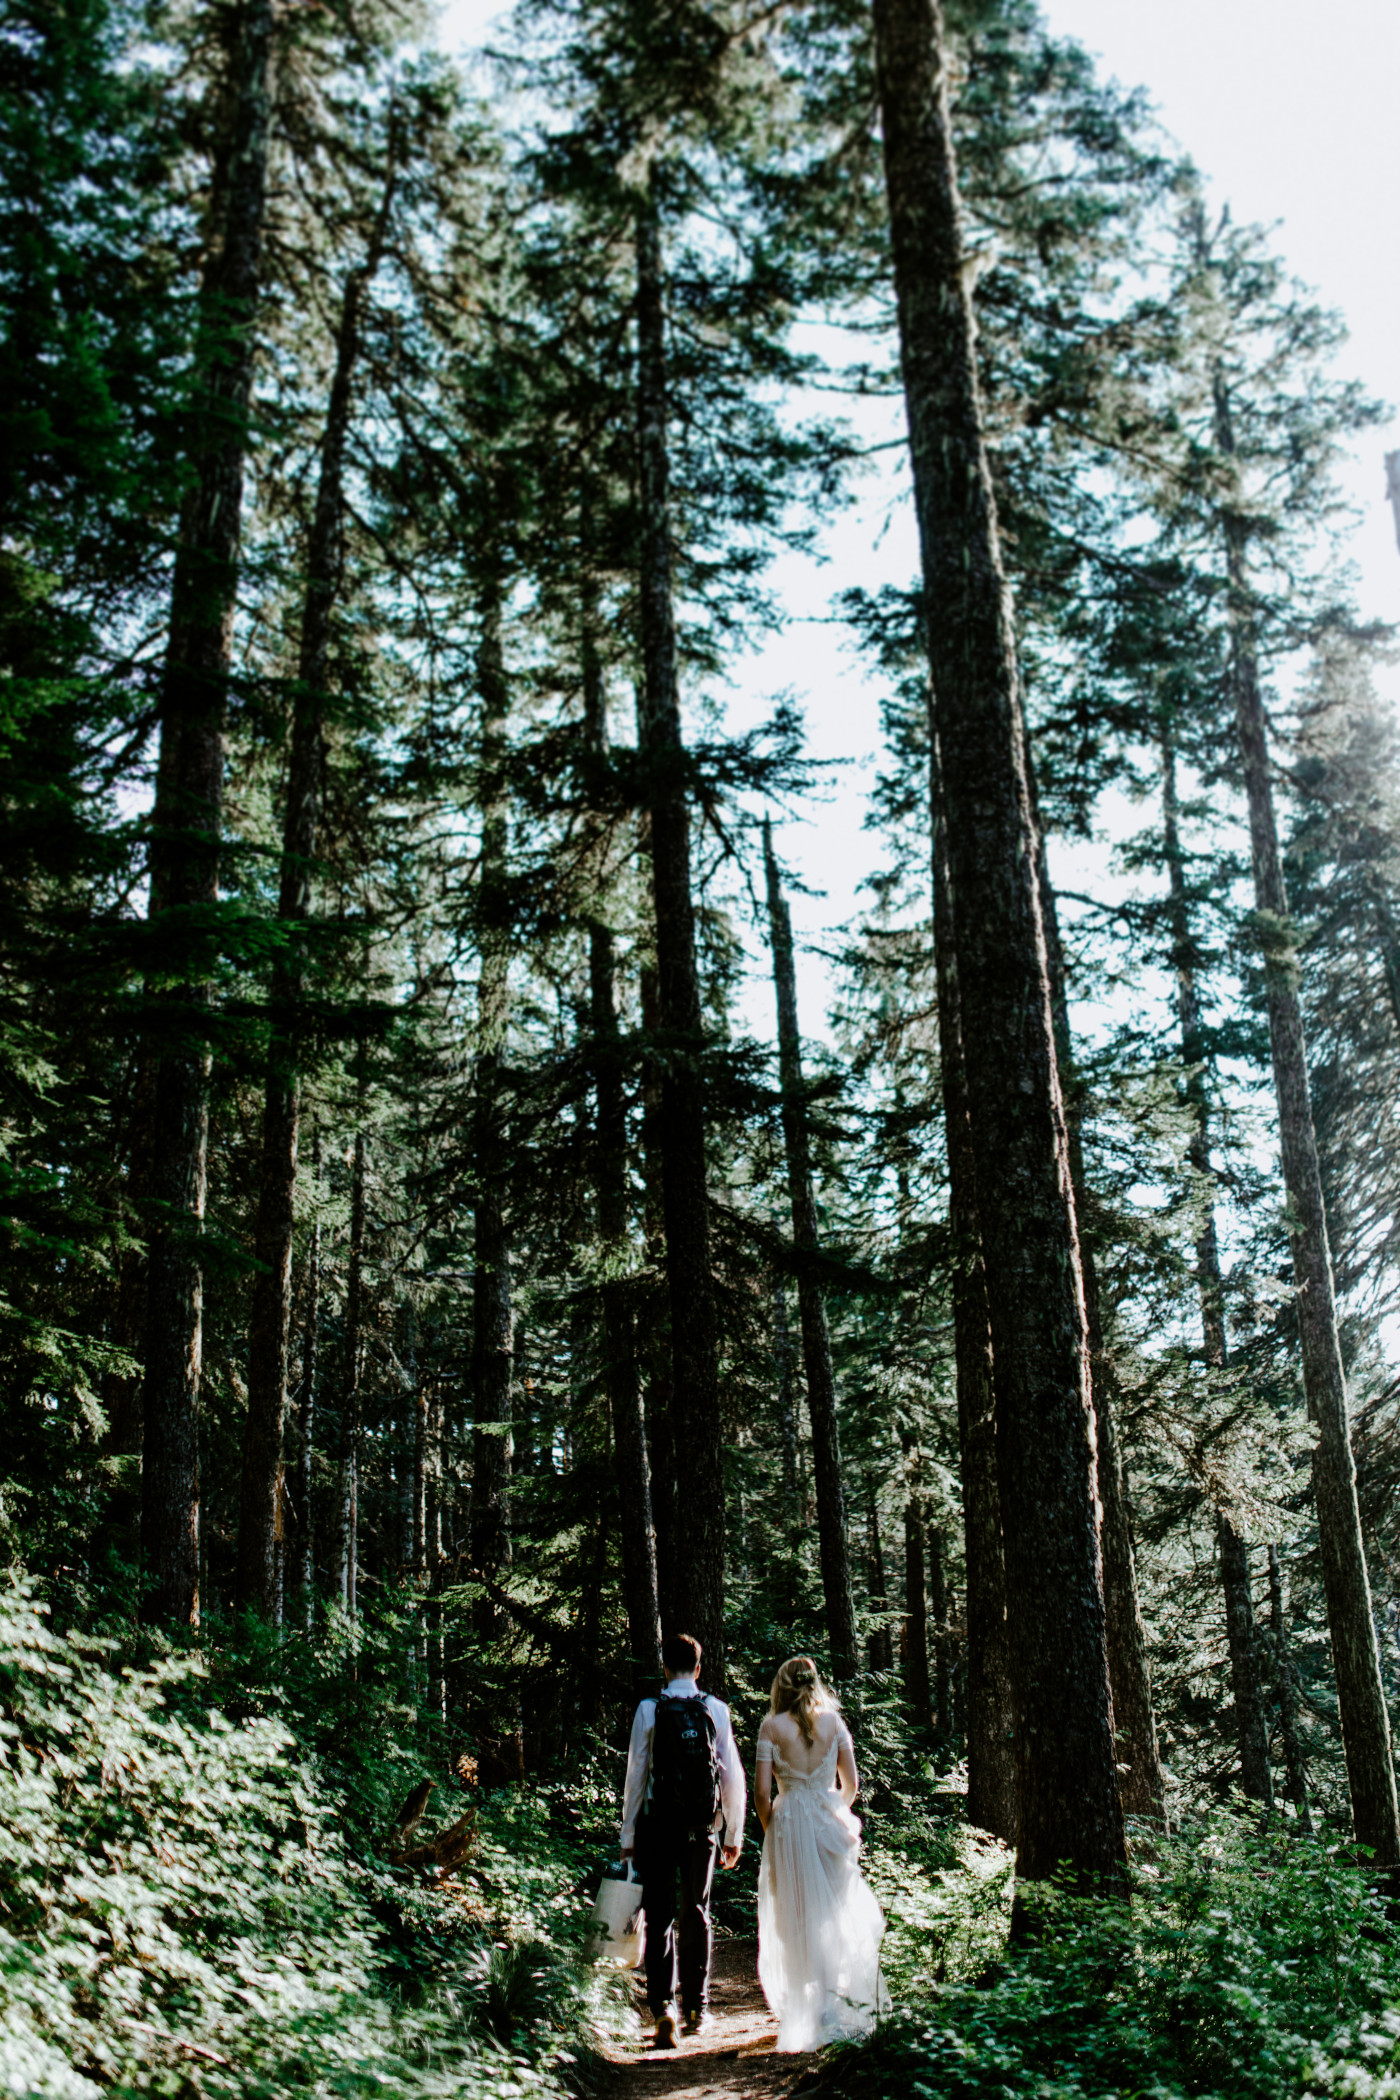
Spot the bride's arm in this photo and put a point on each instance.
(763, 1780)
(847, 1776)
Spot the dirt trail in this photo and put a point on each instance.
(734, 2058)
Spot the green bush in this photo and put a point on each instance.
(1249, 1967)
(190, 1904)
(179, 1912)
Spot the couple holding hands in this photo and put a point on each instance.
(819, 1926)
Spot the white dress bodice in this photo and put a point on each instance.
(821, 1779)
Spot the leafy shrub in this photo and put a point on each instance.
(1249, 1967)
(516, 1989)
(178, 1910)
(345, 1692)
(945, 1890)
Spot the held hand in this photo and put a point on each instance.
(730, 1856)
(627, 1851)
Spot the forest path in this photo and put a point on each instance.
(733, 2058)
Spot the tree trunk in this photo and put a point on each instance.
(816, 1340)
(420, 1484)
(184, 861)
(1210, 1284)
(121, 1391)
(880, 1647)
(494, 1318)
(1070, 1810)
(529, 1448)
(992, 1796)
(118, 1527)
(957, 1670)
(1255, 1777)
(310, 1356)
(583, 1705)
(942, 1638)
(621, 1368)
(661, 1454)
(418, 1542)
(434, 1546)
(787, 1405)
(272, 1238)
(406, 1445)
(1388, 941)
(1250, 1726)
(1355, 1656)
(695, 1406)
(661, 1446)
(1140, 1785)
(1296, 1788)
(434, 1486)
(917, 1689)
(348, 1480)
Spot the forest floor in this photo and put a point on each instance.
(735, 2055)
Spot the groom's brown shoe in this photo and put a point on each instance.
(695, 2022)
(665, 2035)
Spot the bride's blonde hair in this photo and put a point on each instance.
(799, 1691)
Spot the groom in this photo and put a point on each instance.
(683, 1801)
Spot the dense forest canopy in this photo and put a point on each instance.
(443, 1249)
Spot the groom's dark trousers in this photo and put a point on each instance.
(676, 1872)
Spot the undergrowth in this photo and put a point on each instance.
(188, 1906)
(1250, 1965)
(194, 1901)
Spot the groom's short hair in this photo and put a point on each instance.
(681, 1653)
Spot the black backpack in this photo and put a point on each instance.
(685, 1790)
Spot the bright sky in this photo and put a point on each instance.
(1291, 114)
(1290, 110)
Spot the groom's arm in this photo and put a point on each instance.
(733, 1793)
(634, 1789)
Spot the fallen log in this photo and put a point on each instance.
(439, 1856)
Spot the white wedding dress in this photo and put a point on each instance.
(819, 1926)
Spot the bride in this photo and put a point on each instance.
(819, 1926)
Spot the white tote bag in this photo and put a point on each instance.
(617, 1933)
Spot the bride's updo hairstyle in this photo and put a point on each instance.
(799, 1691)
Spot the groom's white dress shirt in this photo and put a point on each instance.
(733, 1795)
